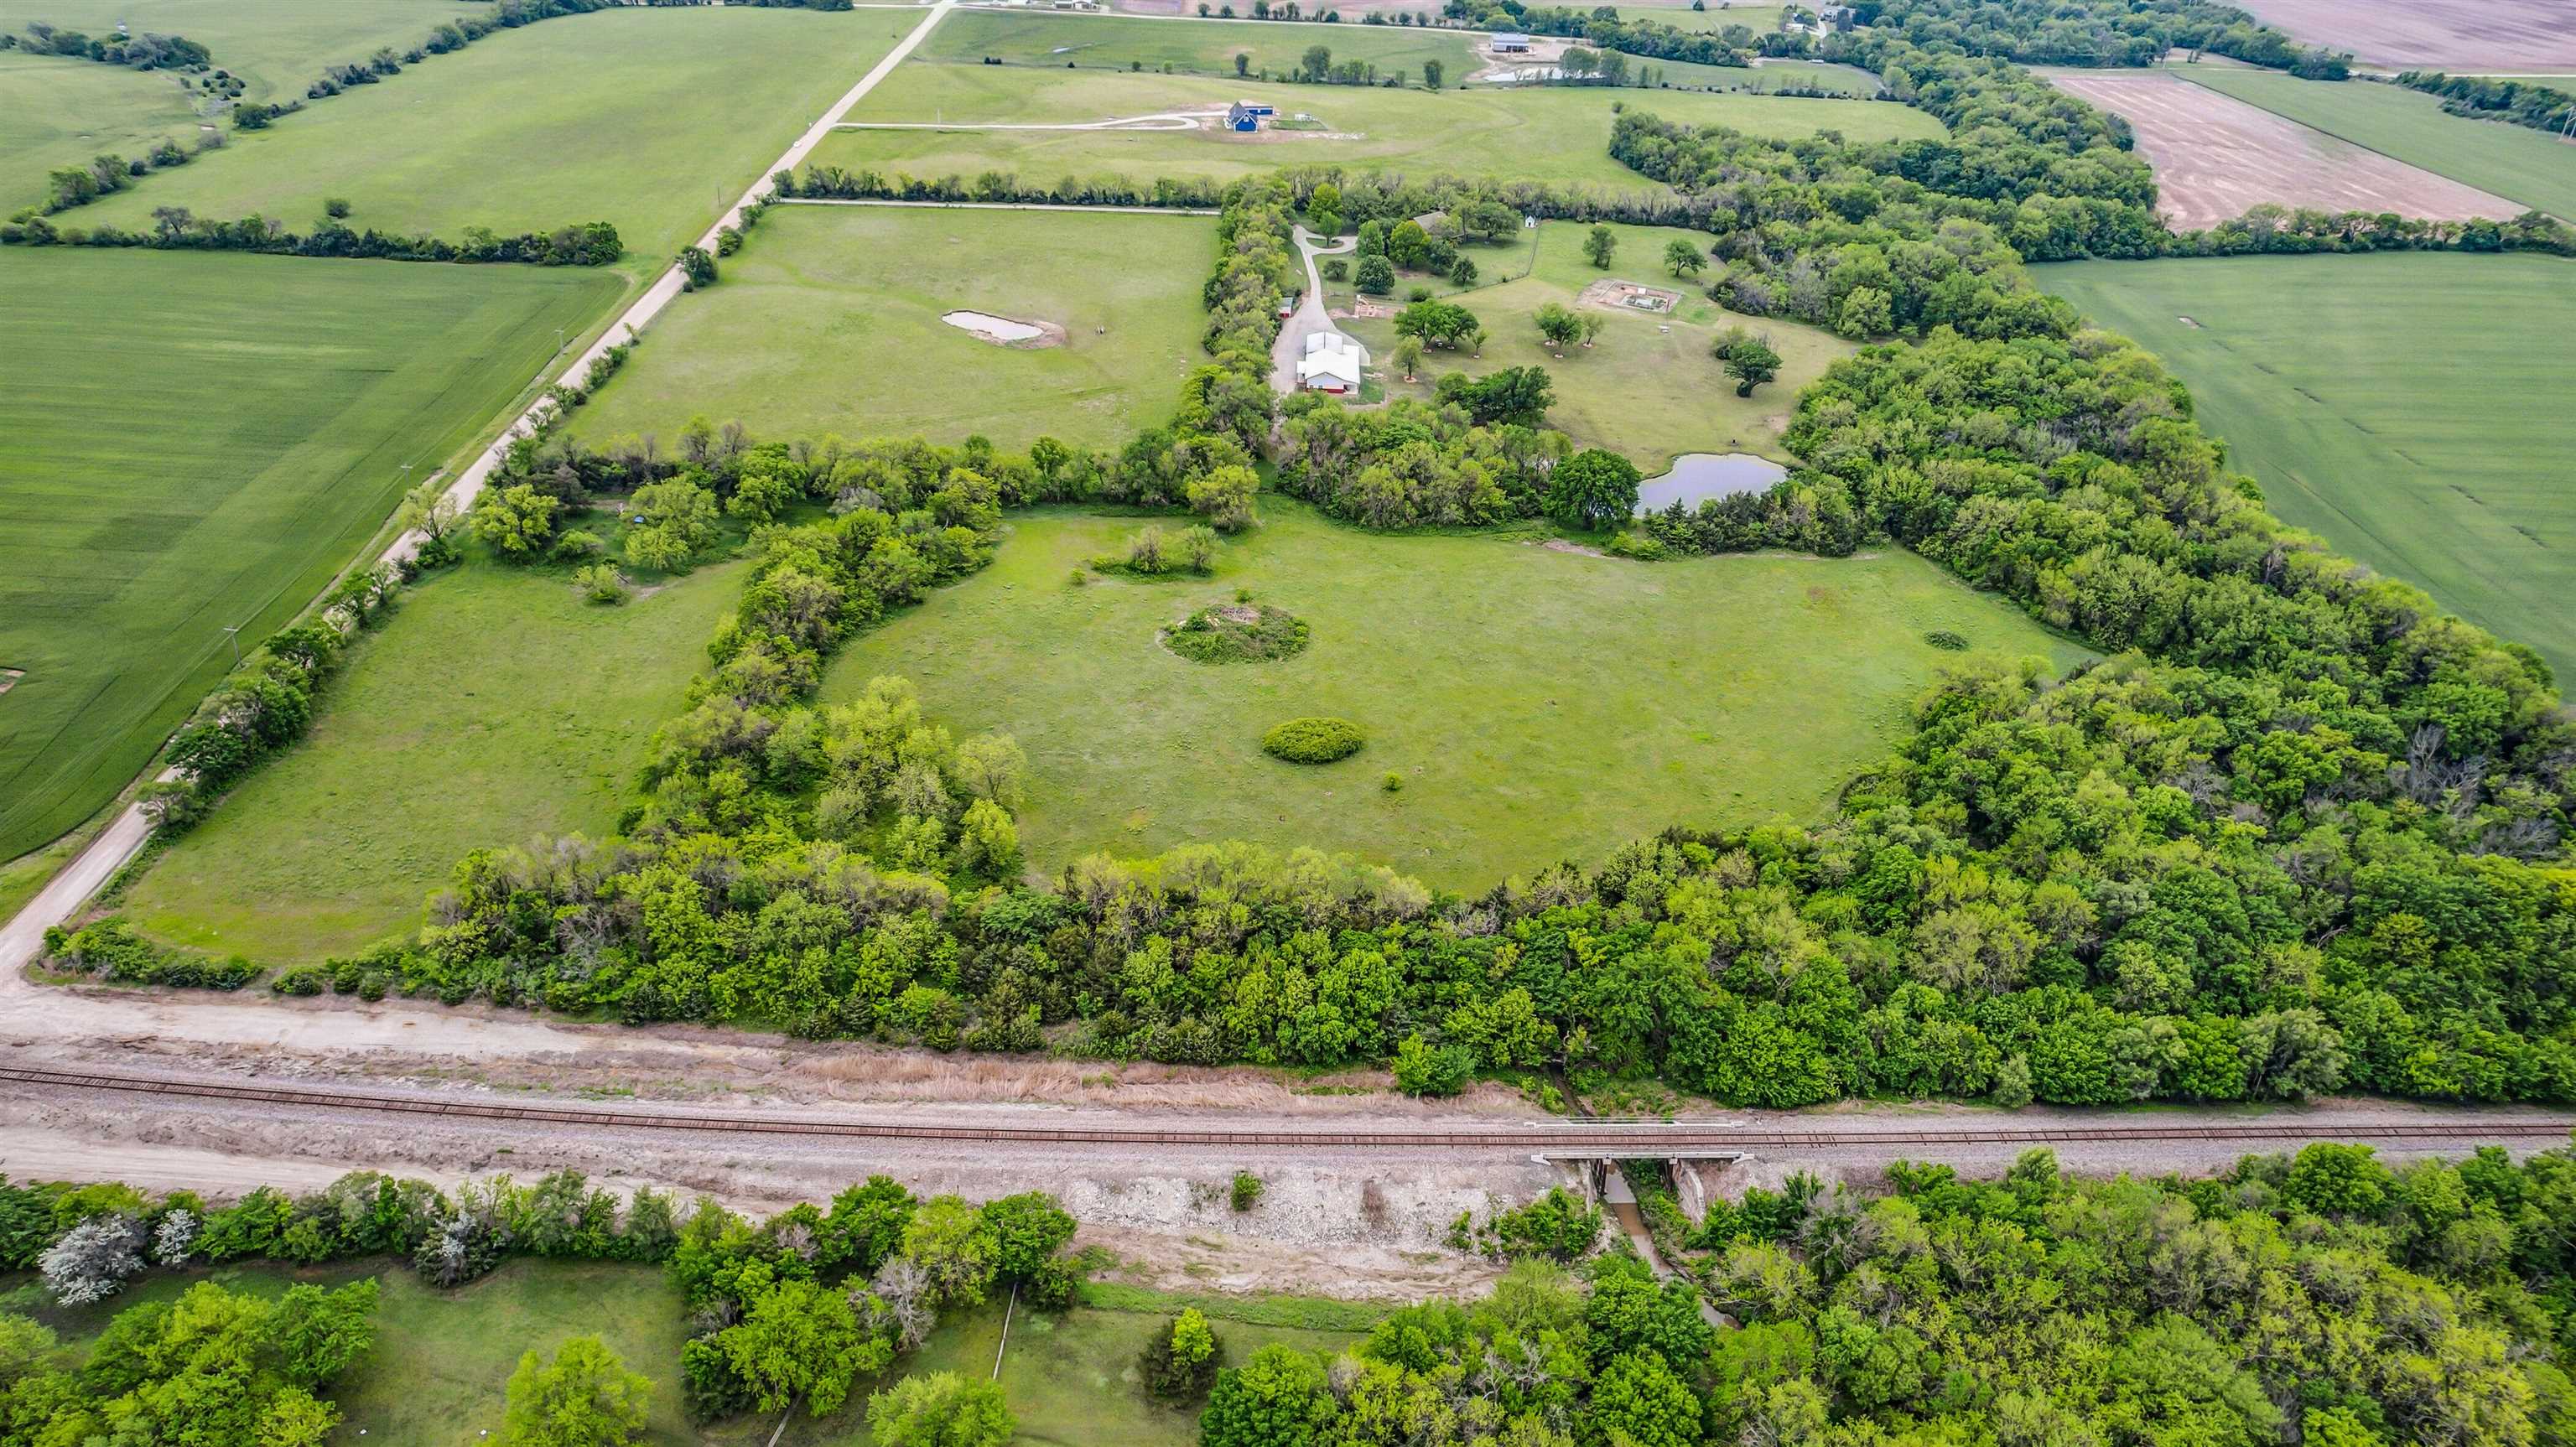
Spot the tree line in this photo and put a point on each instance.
(146, 51)
(789, 1312)
(2521, 102)
(174, 228)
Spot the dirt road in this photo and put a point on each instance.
(1309, 317)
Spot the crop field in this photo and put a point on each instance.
(1537, 705)
(1648, 387)
(441, 1362)
(1120, 43)
(277, 46)
(634, 116)
(2533, 170)
(199, 441)
(2457, 35)
(467, 744)
(803, 334)
(2216, 157)
(1545, 134)
(56, 112)
(2412, 459)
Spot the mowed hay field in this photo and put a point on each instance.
(1120, 43)
(198, 441)
(1647, 388)
(56, 112)
(277, 46)
(493, 707)
(2535, 171)
(439, 1371)
(828, 320)
(2459, 35)
(651, 119)
(2216, 157)
(1538, 705)
(2374, 398)
(1550, 133)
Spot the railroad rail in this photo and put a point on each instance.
(1552, 1136)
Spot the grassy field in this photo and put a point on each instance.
(1648, 387)
(2512, 161)
(2420, 459)
(198, 441)
(278, 46)
(1545, 134)
(1122, 43)
(442, 1359)
(653, 119)
(1538, 705)
(1760, 19)
(434, 742)
(56, 112)
(828, 321)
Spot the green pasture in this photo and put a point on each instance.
(440, 1369)
(56, 112)
(1760, 19)
(2514, 162)
(828, 321)
(1547, 133)
(493, 707)
(1647, 387)
(653, 119)
(2372, 397)
(1124, 43)
(1537, 705)
(278, 46)
(199, 441)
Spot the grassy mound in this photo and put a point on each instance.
(1314, 740)
(1237, 633)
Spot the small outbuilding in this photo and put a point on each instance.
(1333, 363)
(1246, 115)
(1511, 42)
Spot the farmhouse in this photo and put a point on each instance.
(1332, 363)
(1511, 42)
(1836, 17)
(1246, 115)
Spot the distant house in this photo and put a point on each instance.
(1244, 115)
(1333, 363)
(1836, 17)
(1511, 42)
(1433, 223)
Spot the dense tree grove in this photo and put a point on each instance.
(2324, 1299)
(592, 243)
(2099, 32)
(145, 51)
(2522, 102)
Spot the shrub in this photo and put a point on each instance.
(1422, 1068)
(1393, 783)
(1237, 633)
(335, 207)
(1247, 1190)
(1182, 1360)
(1312, 740)
(1943, 638)
(601, 583)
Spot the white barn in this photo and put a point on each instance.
(1333, 363)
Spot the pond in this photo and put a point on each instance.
(1698, 475)
(992, 328)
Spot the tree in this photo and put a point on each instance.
(1747, 358)
(954, 1244)
(1592, 489)
(1432, 74)
(518, 521)
(1462, 272)
(1599, 244)
(671, 523)
(1422, 1068)
(1557, 325)
(1408, 245)
(585, 1397)
(988, 842)
(1375, 276)
(1408, 356)
(799, 1339)
(1591, 326)
(995, 767)
(1317, 63)
(1224, 497)
(1519, 395)
(1027, 1230)
(1242, 63)
(698, 267)
(430, 512)
(1182, 1360)
(944, 1409)
(1867, 312)
(1277, 1399)
(1682, 258)
(93, 1260)
(1441, 323)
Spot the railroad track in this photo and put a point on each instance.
(1550, 1136)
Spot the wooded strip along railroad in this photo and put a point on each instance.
(1607, 1138)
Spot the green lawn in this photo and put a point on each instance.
(432, 743)
(653, 119)
(199, 441)
(2376, 399)
(1539, 705)
(278, 46)
(2514, 162)
(1548, 133)
(57, 112)
(1648, 387)
(828, 321)
(442, 1359)
(1121, 43)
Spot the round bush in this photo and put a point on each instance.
(1312, 740)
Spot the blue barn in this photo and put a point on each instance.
(1243, 115)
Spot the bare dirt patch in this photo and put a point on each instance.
(9, 678)
(2443, 34)
(1009, 332)
(2217, 157)
(1630, 296)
